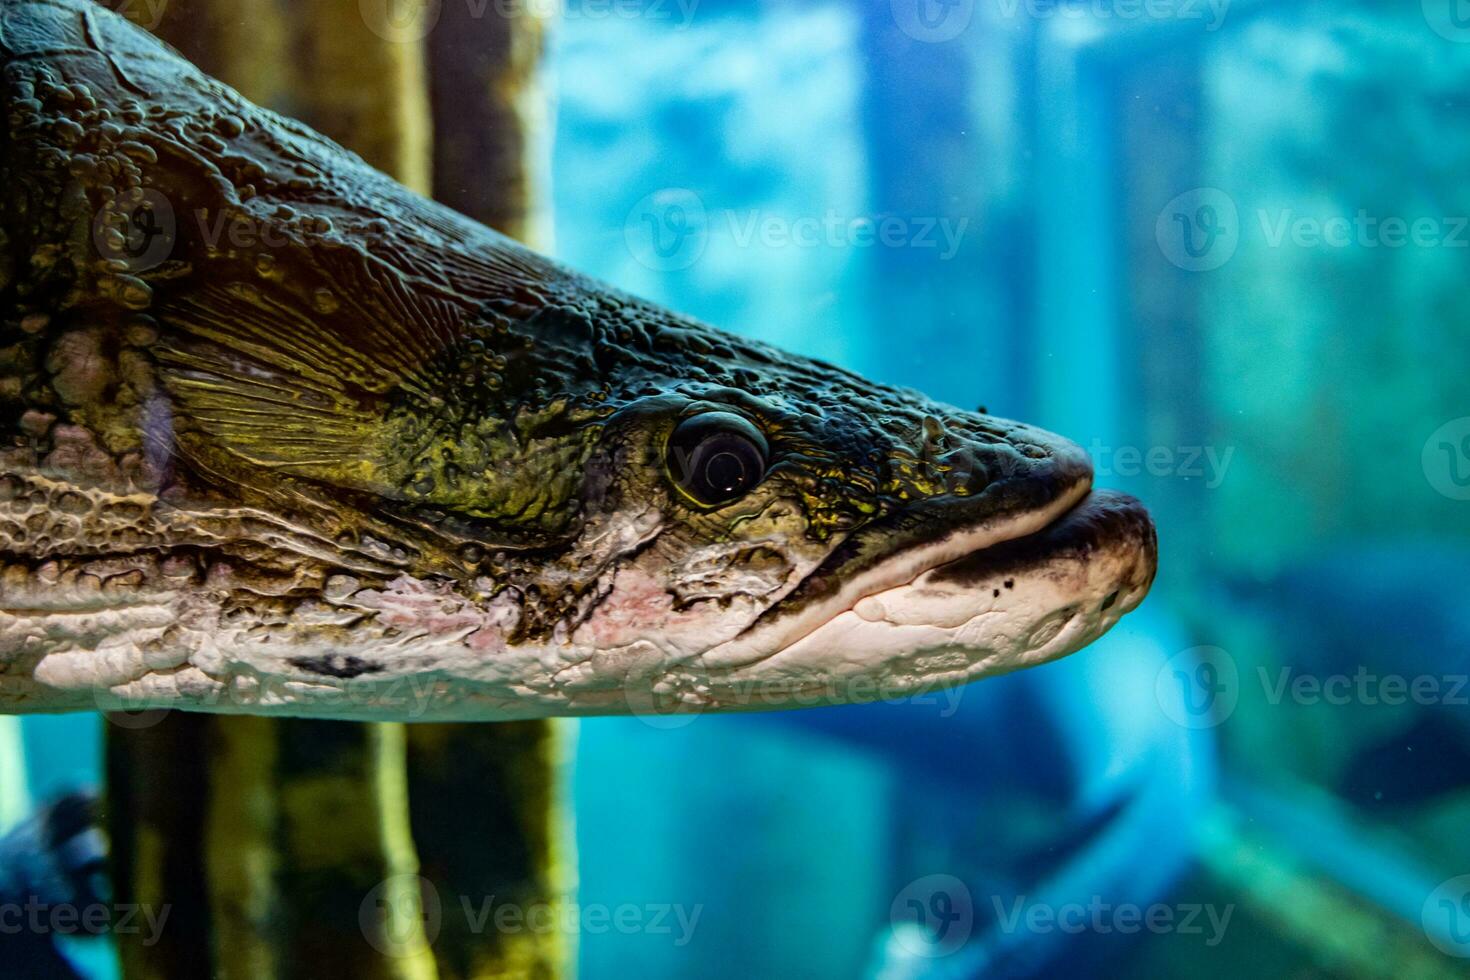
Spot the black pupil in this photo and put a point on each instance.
(717, 457)
(725, 472)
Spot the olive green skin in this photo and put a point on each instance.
(256, 358)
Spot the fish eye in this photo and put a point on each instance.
(716, 457)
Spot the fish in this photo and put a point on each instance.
(53, 883)
(282, 437)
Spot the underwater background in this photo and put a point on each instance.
(1221, 245)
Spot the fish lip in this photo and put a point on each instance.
(905, 565)
(1100, 520)
(1096, 561)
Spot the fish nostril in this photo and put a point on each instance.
(1108, 602)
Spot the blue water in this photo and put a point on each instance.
(1224, 247)
(1182, 235)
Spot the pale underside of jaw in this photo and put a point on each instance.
(934, 632)
(895, 630)
(930, 634)
(894, 574)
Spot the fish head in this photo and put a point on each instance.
(810, 537)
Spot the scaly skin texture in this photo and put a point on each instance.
(279, 435)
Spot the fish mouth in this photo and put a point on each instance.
(1009, 600)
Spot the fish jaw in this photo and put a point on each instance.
(1017, 603)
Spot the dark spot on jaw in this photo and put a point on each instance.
(1010, 583)
(336, 665)
(995, 593)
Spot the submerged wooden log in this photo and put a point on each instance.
(293, 848)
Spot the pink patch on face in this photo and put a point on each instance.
(432, 609)
(637, 605)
